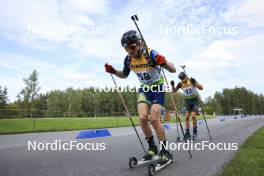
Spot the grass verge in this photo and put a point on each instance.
(249, 160)
(26, 125)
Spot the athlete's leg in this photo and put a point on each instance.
(155, 113)
(157, 100)
(187, 125)
(143, 111)
(194, 118)
(187, 114)
(160, 132)
(187, 120)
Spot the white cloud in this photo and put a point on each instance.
(19, 18)
(218, 55)
(16, 67)
(209, 57)
(249, 12)
(89, 6)
(230, 63)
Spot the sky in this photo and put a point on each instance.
(69, 41)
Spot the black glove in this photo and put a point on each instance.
(193, 81)
(172, 83)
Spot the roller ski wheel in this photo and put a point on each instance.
(133, 162)
(155, 167)
(151, 169)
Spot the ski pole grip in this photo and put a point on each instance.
(172, 83)
(134, 18)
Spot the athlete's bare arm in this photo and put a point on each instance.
(175, 89)
(196, 84)
(120, 74)
(199, 86)
(170, 67)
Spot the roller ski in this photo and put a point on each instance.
(150, 156)
(165, 159)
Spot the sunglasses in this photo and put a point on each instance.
(182, 78)
(132, 47)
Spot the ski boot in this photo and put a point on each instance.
(187, 134)
(164, 157)
(149, 157)
(152, 151)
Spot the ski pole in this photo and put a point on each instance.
(205, 119)
(175, 108)
(129, 115)
(183, 67)
(135, 18)
(177, 125)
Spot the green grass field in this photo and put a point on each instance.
(250, 158)
(26, 125)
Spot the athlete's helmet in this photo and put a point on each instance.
(182, 75)
(130, 37)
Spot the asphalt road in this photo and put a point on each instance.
(16, 159)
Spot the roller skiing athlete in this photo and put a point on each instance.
(151, 92)
(188, 86)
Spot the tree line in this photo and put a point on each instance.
(91, 102)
